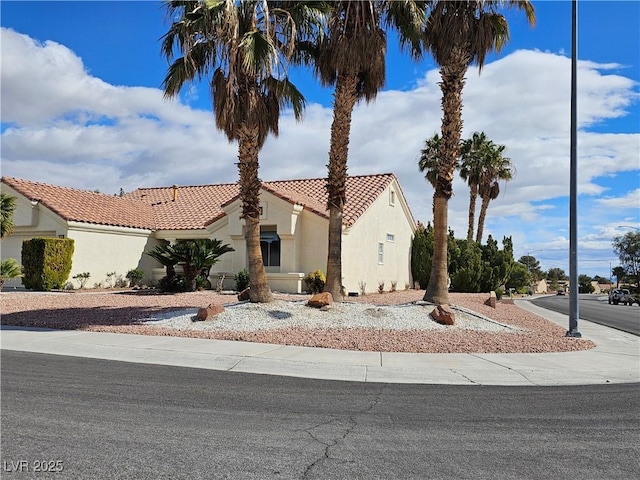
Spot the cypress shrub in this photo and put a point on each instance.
(46, 262)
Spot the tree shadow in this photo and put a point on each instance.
(80, 318)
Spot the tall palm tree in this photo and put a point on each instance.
(496, 167)
(352, 57)
(7, 209)
(458, 33)
(472, 151)
(243, 48)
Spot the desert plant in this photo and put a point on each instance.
(499, 293)
(120, 282)
(82, 278)
(242, 280)
(201, 282)
(381, 286)
(109, 280)
(195, 256)
(220, 283)
(315, 281)
(362, 287)
(394, 284)
(9, 268)
(173, 284)
(135, 276)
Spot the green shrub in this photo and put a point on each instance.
(315, 281)
(46, 262)
(499, 293)
(135, 276)
(242, 280)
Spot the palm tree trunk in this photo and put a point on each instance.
(344, 100)
(438, 288)
(483, 214)
(451, 85)
(250, 196)
(473, 195)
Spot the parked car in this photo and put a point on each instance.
(622, 295)
(561, 292)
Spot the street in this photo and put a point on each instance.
(97, 419)
(595, 308)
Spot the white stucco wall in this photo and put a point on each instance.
(360, 246)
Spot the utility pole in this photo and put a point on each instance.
(573, 183)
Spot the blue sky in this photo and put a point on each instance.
(82, 107)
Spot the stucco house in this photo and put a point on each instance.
(112, 233)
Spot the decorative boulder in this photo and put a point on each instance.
(243, 295)
(443, 315)
(321, 300)
(209, 312)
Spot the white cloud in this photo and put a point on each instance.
(630, 200)
(64, 126)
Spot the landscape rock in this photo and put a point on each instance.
(209, 312)
(443, 315)
(243, 295)
(319, 300)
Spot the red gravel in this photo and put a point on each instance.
(120, 311)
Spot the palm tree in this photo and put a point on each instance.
(7, 209)
(429, 159)
(496, 168)
(471, 156)
(9, 268)
(458, 33)
(243, 48)
(352, 57)
(197, 257)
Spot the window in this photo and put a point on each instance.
(391, 237)
(270, 246)
(380, 253)
(392, 198)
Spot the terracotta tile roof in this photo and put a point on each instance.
(85, 206)
(362, 191)
(194, 207)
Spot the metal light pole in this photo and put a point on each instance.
(573, 183)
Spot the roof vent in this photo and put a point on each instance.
(175, 192)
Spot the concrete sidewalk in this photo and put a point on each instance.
(616, 359)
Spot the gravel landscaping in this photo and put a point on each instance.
(389, 322)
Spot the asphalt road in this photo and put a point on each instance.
(112, 420)
(596, 308)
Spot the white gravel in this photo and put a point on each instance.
(247, 317)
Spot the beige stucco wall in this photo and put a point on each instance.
(101, 249)
(303, 237)
(360, 245)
